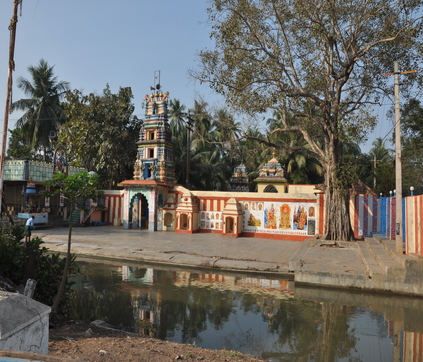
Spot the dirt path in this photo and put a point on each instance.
(89, 343)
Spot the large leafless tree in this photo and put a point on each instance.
(320, 62)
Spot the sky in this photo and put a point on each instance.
(123, 43)
(92, 43)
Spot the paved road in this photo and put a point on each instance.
(205, 249)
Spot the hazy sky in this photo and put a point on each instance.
(92, 43)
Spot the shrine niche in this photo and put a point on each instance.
(232, 218)
(187, 218)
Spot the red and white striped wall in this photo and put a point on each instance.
(413, 347)
(413, 224)
(372, 215)
(366, 212)
(114, 204)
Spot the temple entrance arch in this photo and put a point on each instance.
(138, 211)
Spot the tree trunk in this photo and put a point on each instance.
(337, 224)
(60, 292)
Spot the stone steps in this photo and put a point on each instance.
(379, 258)
(370, 262)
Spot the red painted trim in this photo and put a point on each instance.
(356, 216)
(419, 236)
(321, 213)
(277, 236)
(186, 231)
(375, 210)
(240, 199)
(365, 214)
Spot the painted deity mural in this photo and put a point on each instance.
(279, 217)
(211, 220)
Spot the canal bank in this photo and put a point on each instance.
(371, 264)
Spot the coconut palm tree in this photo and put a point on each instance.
(299, 165)
(379, 154)
(43, 111)
(177, 115)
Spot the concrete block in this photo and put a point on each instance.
(24, 324)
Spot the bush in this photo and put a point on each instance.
(19, 261)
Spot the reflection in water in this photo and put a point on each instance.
(252, 315)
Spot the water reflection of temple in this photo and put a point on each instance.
(147, 302)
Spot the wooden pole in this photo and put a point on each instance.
(398, 164)
(11, 68)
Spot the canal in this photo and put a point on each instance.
(257, 314)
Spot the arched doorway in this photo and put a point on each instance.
(168, 220)
(183, 222)
(229, 225)
(138, 211)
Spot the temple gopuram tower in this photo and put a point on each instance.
(154, 172)
(155, 149)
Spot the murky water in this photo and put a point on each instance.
(267, 317)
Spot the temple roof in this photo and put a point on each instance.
(272, 171)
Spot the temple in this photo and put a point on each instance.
(154, 201)
(154, 167)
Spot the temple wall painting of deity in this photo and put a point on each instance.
(211, 220)
(279, 217)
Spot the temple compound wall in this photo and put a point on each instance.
(292, 216)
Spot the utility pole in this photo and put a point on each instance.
(12, 28)
(398, 165)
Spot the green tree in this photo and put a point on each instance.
(319, 61)
(300, 166)
(380, 155)
(19, 146)
(412, 146)
(75, 187)
(43, 111)
(101, 133)
(177, 116)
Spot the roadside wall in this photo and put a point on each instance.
(265, 215)
(113, 201)
(413, 224)
(371, 215)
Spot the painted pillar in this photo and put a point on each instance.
(125, 218)
(152, 210)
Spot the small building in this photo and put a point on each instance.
(24, 179)
(271, 178)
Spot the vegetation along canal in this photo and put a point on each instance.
(270, 318)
